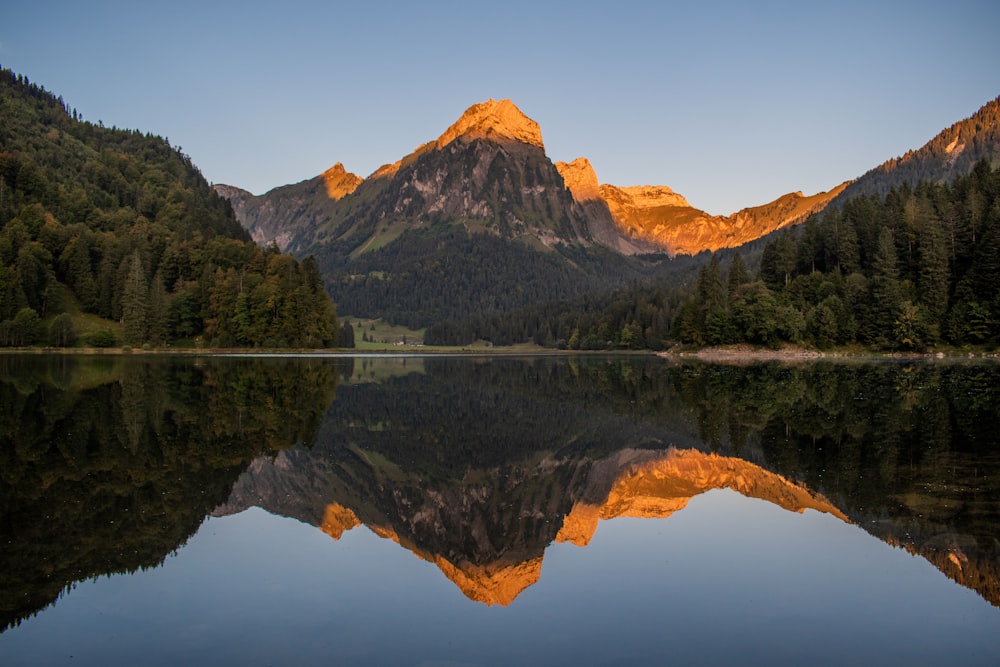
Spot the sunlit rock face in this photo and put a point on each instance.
(580, 179)
(499, 122)
(655, 218)
(337, 520)
(659, 215)
(495, 120)
(642, 197)
(340, 182)
(495, 583)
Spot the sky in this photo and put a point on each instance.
(731, 104)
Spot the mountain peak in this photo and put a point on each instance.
(497, 120)
(339, 182)
(581, 179)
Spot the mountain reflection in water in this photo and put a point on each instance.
(629, 483)
(479, 465)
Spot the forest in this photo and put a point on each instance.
(910, 270)
(113, 237)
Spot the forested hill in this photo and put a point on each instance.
(909, 271)
(952, 153)
(112, 236)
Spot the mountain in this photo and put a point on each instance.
(479, 467)
(481, 221)
(453, 187)
(112, 236)
(954, 152)
(275, 218)
(654, 216)
(933, 240)
(486, 173)
(476, 221)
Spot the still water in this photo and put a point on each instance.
(500, 511)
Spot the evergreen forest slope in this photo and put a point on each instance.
(112, 236)
(954, 152)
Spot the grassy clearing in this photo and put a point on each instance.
(385, 235)
(379, 335)
(87, 325)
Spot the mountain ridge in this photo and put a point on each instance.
(487, 179)
(633, 220)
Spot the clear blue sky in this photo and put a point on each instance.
(731, 104)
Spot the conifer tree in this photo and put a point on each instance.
(134, 302)
(738, 274)
(156, 332)
(884, 287)
(933, 276)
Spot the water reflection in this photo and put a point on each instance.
(493, 561)
(479, 466)
(110, 464)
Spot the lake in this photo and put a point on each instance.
(552, 510)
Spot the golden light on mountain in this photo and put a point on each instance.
(340, 182)
(497, 120)
(338, 519)
(659, 215)
(634, 220)
(655, 489)
(580, 178)
(496, 583)
(633, 483)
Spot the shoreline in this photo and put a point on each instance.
(731, 354)
(791, 354)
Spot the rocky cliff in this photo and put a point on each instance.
(660, 216)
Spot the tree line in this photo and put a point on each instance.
(911, 270)
(112, 236)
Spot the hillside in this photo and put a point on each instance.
(952, 153)
(112, 236)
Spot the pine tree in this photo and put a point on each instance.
(885, 295)
(738, 274)
(346, 336)
(778, 261)
(933, 272)
(156, 332)
(134, 303)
